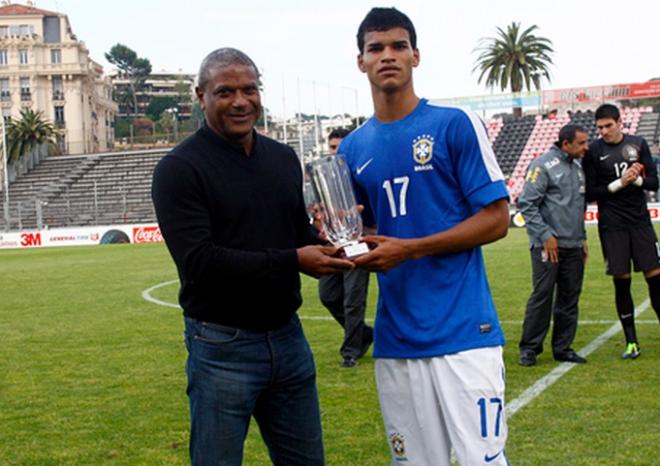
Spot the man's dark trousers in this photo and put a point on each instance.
(345, 296)
(563, 279)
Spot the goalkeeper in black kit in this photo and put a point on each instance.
(618, 168)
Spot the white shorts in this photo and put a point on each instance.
(433, 405)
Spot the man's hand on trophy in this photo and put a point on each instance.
(386, 253)
(319, 260)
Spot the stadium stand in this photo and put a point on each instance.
(543, 134)
(510, 142)
(115, 188)
(518, 142)
(100, 189)
(649, 126)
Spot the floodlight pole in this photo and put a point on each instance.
(5, 173)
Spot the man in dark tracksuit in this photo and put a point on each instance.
(553, 203)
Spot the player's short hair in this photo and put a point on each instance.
(384, 19)
(219, 59)
(607, 111)
(340, 133)
(569, 132)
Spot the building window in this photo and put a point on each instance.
(25, 30)
(59, 116)
(25, 89)
(6, 115)
(56, 56)
(5, 93)
(4, 31)
(3, 56)
(23, 56)
(58, 88)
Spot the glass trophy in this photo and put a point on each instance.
(342, 222)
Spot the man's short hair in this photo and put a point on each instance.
(221, 58)
(340, 133)
(569, 132)
(607, 111)
(384, 19)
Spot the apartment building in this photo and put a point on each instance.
(44, 66)
(177, 85)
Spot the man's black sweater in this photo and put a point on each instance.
(232, 224)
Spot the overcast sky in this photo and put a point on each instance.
(313, 42)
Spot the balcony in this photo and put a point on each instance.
(5, 96)
(26, 96)
(59, 124)
(46, 69)
(58, 95)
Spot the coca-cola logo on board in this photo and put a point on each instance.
(147, 235)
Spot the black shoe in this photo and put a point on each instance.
(349, 362)
(527, 358)
(571, 356)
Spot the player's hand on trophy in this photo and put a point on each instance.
(321, 260)
(386, 252)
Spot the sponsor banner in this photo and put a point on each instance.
(147, 234)
(590, 215)
(82, 236)
(489, 102)
(598, 94)
(645, 90)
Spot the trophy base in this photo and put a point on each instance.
(355, 249)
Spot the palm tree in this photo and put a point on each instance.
(29, 132)
(513, 59)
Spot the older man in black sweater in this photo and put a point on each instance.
(230, 206)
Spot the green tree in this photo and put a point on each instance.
(158, 105)
(184, 94)
(131, 67)
(514, 59)
(165, 123)
(122, 127)
(30, 131)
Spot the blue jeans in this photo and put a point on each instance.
(235, 374)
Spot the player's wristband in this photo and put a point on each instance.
(638, 181)
(615, 185)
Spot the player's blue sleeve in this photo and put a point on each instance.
(474, 161)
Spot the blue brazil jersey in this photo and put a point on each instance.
(418, 176)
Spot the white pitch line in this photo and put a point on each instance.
(545, 382)
(146, 294)
(530, 393)
(587, 322)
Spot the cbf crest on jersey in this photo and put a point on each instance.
(630, 153)
(423, 152)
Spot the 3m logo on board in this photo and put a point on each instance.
(30, 240)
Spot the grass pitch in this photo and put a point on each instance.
(92, 374)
